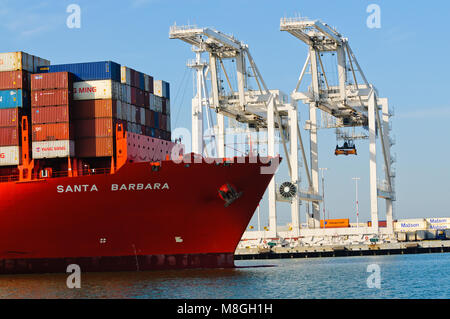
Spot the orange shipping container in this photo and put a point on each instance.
(9, 136)
(335, 223)
(89, 109)
(94, 147)
(10, 117)
(56, 80)
(99, 127)
(51, 97)
(50, 114)
(52, 132)
(14, 80)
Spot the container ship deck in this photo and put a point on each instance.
(89, 175)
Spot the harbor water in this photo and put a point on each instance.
(401, 276)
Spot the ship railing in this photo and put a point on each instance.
(84, 172)
(9, 178)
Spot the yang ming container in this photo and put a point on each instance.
(53, 149)
(14, 98)
(102, 89)
(103, 70)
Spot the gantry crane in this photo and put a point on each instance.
(258, 109)
(352, 101)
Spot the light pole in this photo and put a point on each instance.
(323, 194)
(357, 204)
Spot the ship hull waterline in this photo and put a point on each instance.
(139, 218)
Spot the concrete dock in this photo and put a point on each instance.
(417, 247)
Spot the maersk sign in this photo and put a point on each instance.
(13, 98)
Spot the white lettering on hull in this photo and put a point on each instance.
(114, 187)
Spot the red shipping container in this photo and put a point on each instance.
(10, 117)
(163, 122)
(133, 95)
(152, 118)
(52, 132)
(133, 78)
(99, 127)
(14, 80)
(89, 109)
(148, 119)
(138, 114)
(9, 136)
(94, 147)
(136, 78)
(139, 97)
(146, 99)
(56, 80)
(51, 97)
(50, 114)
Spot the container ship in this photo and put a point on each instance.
(89, 175)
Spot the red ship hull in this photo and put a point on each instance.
(136, 219)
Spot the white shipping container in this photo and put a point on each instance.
(53, 149)
(401, 236)
(14, 61)
(97, 90)
(158, 87)
(437, 223)
(10, 155)
(125, 75)
(142, 115)
(410, 225)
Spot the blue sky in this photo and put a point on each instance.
(406, 59)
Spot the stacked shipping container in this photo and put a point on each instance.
(15, 69)
(51, 105)
(162, 109)
(104, 93)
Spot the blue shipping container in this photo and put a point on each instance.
(14, 98)
(156, 114)
(141, 81)
(104, 70)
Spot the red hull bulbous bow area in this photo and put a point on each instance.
(137, 218)
(117, 263)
